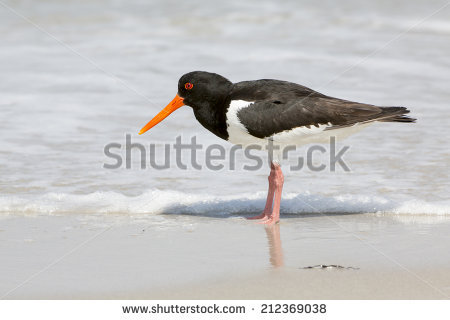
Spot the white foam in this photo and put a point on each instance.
(172, 202)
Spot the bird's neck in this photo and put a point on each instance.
(213, 117)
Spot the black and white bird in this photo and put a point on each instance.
(286, 113)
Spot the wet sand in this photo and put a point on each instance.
(201, 257)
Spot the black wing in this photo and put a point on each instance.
(281, 106)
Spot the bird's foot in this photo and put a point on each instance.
(261, 216)
(270, 220)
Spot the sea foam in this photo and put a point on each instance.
(173, 202)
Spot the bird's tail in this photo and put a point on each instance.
(395, 114)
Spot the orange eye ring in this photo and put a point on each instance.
(188, 86)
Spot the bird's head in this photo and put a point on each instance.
(196, 89)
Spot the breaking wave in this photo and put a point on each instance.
(173, 202)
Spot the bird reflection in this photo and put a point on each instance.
(275, 250)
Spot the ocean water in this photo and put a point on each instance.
(79, 75)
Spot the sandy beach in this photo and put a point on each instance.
(201, 257)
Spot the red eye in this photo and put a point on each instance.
(188, 85)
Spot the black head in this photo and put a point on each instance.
(205, 92)
(200, 89)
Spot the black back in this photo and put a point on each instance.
(281, 106)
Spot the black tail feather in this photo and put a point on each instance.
(395, 114)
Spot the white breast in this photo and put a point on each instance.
(237, 133)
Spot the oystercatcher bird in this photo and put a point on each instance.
(284, 113)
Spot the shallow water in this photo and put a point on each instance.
(184, 256)
(87, 73)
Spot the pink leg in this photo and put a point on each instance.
(272, 215)
(278, 181)
(268, 208)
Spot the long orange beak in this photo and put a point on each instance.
(176, 103)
